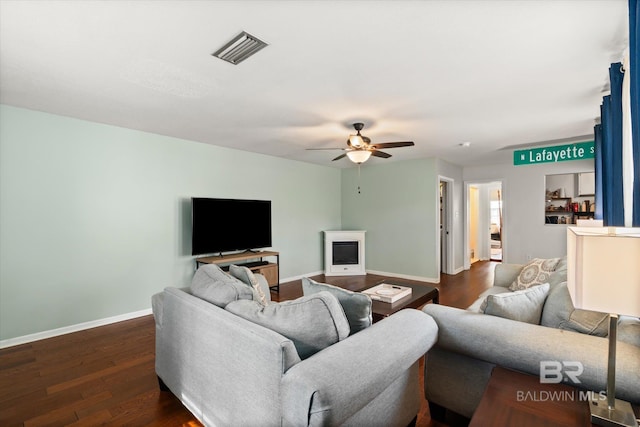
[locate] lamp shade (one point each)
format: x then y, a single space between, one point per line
603 269
359 156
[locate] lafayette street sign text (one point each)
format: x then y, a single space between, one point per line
556 153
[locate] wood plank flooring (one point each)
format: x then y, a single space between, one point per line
105 375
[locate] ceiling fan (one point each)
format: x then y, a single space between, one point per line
359 147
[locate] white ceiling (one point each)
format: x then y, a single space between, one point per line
493 73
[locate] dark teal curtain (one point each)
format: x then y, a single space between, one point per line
634 41
598 170
610 175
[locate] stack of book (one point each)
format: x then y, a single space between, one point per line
387 293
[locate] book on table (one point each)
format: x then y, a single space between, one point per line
387 292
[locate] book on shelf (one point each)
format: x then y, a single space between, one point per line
387 292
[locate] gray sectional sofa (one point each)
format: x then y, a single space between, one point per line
214 353
471 343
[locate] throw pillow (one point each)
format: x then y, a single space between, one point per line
629 330
312 322
212 284
558 307
559 274
475 307
356 306
535 272
523 306
560 313
247 277
588 322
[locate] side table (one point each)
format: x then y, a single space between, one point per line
516 399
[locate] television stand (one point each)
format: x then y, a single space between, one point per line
271 271
252 264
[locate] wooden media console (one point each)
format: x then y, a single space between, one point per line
270 270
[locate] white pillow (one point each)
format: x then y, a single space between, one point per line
524 306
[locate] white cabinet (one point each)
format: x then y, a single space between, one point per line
586 184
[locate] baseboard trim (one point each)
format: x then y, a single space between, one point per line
291 279
405 276
72 328
457 270
10 342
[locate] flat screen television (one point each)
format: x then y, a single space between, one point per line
224 225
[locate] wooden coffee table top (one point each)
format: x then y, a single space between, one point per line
420 295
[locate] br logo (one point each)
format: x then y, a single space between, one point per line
553 372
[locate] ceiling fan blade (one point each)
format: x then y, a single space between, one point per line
317 149
382 154
339 157
393 144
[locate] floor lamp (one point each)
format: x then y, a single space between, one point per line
603 274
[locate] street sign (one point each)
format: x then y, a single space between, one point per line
555 153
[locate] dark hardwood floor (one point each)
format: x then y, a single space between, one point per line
105 375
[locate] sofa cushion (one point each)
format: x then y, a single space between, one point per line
557 308
247 277
535 272
559 313
588 322
494 290
212 284
559 274
629 330
524 305
356 306
312 322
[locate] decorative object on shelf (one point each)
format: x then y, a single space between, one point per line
615 290
573 205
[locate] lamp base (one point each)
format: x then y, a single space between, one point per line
621 415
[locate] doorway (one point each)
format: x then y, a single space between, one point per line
445 193
495 227
484 229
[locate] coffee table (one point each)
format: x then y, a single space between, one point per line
420 295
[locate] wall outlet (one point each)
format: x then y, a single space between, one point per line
528 257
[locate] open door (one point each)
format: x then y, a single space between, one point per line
446 225
484 228
495 201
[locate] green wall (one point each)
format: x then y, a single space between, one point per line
94 219
397 207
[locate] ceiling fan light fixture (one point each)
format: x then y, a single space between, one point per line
356 140
359 156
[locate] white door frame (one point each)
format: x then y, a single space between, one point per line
503 231
448 203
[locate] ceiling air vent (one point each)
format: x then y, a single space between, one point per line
240 48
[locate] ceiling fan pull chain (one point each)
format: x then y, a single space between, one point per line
359 178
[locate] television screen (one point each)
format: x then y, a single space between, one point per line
222 225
